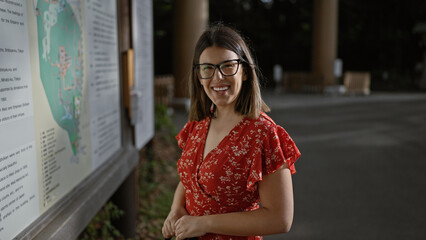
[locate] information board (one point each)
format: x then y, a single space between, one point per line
142 31
59 102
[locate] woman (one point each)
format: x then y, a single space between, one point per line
234 157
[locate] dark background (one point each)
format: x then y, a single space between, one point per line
375 36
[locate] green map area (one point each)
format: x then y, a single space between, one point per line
61 63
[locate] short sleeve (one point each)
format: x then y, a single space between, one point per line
184 134
276 149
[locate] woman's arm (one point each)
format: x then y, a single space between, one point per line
275 215
177 210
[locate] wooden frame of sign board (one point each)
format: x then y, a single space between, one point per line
67 218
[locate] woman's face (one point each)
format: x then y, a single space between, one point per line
222 90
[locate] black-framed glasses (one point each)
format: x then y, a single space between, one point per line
227 68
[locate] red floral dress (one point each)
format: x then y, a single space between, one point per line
226 180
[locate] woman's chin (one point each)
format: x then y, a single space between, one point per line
223 104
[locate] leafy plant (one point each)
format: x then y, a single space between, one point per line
157 181
101 227
162 121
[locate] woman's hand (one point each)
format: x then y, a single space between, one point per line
169 224
189 226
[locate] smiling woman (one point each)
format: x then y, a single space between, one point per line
234 157
222 87
217 46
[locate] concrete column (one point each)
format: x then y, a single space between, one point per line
325 39
190 20
422 83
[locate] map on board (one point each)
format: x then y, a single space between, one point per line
61 63
59 102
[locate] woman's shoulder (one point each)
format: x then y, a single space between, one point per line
263 125
196 122
264 121
194 125
190 129
265 118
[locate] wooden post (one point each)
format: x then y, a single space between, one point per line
191 18
126 196
325 39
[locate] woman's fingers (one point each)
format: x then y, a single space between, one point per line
169 226
168 229
179 230
187 227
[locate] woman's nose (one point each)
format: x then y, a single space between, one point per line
217 75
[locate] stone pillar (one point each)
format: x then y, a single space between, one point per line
190 20
422 83
325 39
420 28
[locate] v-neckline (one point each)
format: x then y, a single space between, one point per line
221 141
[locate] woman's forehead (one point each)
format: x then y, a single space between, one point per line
216 55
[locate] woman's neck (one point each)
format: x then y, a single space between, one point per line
226 113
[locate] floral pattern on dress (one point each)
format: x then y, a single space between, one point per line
226 180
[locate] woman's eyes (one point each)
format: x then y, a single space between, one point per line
227 65
207 67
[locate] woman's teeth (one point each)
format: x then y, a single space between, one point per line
220 88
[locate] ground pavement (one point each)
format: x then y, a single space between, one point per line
362 174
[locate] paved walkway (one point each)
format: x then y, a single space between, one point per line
362 170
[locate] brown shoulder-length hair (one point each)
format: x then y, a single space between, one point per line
249 102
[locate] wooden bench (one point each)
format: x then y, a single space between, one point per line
163 89
302 81
357 82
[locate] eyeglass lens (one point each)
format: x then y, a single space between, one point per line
228 68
